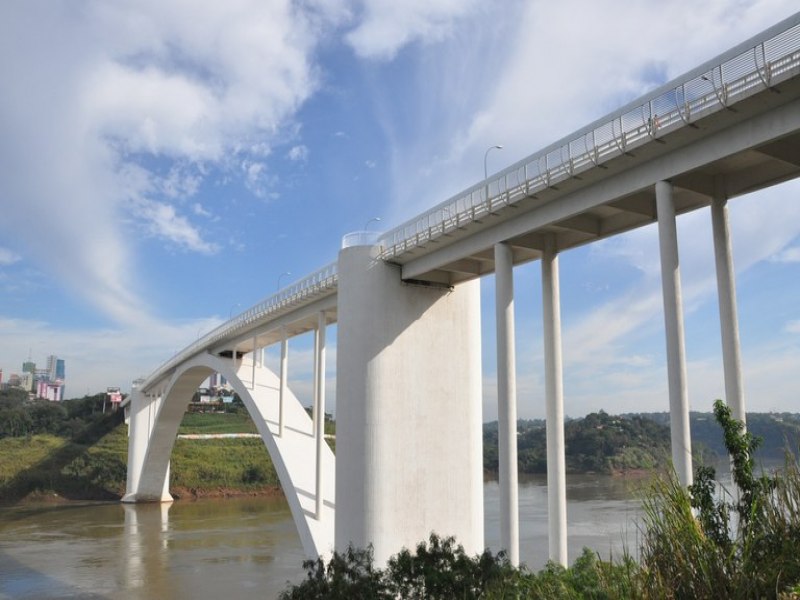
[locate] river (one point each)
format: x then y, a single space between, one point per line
245 547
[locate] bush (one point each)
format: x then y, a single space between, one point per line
441 570
742 545
697 542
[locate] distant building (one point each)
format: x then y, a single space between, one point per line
55 368
114 396
50 390
28 381
29 367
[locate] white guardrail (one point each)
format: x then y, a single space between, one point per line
751 67
310 287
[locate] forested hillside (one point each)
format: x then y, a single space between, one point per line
778 431
603 443
599 443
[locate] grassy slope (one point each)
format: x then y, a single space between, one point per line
94 466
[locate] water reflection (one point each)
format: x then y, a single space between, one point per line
602 514
235 548
246 547
143 550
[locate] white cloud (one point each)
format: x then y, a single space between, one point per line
198 209
7 257
180 183
103 93
370 164
793 327
97 358
299 152
258 179
161 220
789 255
386 26
538 74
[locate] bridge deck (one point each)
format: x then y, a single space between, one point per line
728 127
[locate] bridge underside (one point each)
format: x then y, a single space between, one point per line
727 154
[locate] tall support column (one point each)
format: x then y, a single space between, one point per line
408 411
138 435
165 495
319 404
316 382
728 319
253 370
673 322
284 374
554 391
506 401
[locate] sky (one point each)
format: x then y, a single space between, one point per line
165 163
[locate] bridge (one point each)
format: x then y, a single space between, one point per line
407 307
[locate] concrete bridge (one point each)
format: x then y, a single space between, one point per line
408 454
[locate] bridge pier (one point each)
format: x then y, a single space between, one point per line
284 378
554 392
319 410
408 451
142 417
673 322
506 401
728 319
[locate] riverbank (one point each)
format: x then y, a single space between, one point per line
48 468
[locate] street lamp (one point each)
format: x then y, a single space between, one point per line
485 169
279 278
373 219
230 312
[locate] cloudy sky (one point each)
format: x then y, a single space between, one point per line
163 163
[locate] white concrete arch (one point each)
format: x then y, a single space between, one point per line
293 454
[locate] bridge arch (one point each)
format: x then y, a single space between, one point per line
158 416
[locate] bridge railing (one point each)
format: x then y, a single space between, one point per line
755 65
320 281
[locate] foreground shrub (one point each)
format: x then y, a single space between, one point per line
701 542
743 543
440 569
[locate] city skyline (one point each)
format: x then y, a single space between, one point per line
181 167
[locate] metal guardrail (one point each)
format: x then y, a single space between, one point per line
360 238
751 67
297 293
747 69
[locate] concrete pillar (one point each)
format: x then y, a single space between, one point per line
506 401
319 404
253 366
284 375
138 432
554 392
728 319
408 411
673 322
316 384
165 495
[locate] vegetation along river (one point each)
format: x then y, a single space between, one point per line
246 547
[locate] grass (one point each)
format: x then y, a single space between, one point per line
93 465
221 466
217 423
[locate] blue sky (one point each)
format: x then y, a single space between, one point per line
162 163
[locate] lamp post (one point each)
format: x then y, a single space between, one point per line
286 273
372 220
485 169
230 312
